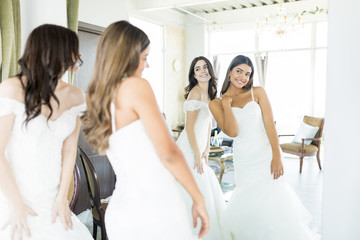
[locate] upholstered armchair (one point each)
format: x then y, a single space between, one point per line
304 146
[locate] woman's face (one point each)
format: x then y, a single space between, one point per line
240 75
201 71
77 65
142 62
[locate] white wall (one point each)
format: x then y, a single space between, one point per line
102 13
37 12
196 43
341 196
175 81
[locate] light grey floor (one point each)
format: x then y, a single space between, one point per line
307 185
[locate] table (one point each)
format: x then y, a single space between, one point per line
218 154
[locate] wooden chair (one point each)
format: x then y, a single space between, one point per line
74 188
301 149
98 208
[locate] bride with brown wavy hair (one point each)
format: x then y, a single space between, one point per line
39 126
123 121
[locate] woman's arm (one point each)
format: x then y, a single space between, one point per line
191 117
207 149
137 95
69 150
276 165
221 110
19 211
61 205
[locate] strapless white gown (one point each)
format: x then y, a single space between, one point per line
146 203
34 155
207 182
261 208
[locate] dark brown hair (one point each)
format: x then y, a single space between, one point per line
118 56
240 59
212 90
50 51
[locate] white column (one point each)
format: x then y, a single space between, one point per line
341 192
196 41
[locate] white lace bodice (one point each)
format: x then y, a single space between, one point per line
261 207
34 151
201 126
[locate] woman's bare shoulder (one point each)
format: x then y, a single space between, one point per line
259 90
12 88
133 89
73 94
133 86
195 94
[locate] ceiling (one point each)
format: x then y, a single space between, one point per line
227 11
229 5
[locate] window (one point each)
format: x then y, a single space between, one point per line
232 41
296 68
154 74
300 38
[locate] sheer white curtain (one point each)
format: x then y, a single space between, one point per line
261 64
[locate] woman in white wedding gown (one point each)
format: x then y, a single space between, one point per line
263 206
39 126
194 140
124 121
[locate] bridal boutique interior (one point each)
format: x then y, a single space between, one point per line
305 53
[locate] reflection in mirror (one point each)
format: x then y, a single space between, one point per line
295 81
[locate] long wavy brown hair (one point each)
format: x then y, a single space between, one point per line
240 59
117 56
212 89
50 50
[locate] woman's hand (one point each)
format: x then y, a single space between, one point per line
226 100
277 168
205 155
18 221
61 209
199 211
198 164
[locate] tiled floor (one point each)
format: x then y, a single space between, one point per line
307 185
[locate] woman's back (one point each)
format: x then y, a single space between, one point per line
145 190
34 152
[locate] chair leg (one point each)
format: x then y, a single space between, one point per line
301 163
94 230
222 169
103 233
318 160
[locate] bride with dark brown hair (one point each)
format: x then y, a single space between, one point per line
263 206
39 126
123 121
194 141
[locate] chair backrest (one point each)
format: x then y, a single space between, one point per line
91 179
316 122
74 188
